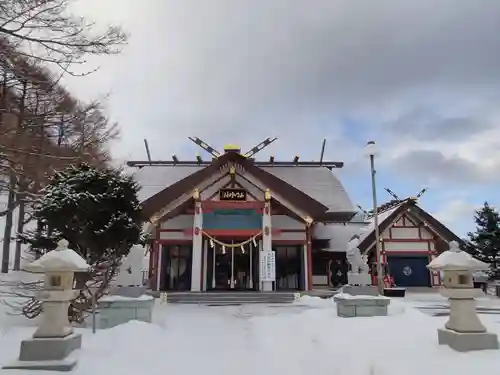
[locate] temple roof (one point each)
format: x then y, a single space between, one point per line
319 183
341 234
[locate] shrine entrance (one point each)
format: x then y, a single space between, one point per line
232 268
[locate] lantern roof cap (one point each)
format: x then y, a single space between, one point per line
61 259
457 260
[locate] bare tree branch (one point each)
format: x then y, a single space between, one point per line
48 32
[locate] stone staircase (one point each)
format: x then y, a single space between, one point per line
228 298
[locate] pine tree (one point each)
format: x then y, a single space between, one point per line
484 243
98 212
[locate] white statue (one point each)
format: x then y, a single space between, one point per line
130 273
358 274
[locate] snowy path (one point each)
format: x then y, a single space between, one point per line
436 305
250 340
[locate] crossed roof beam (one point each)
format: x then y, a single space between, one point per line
392 203
250 154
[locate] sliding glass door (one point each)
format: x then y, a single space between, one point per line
176 264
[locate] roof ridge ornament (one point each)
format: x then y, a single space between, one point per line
196 194
309 220
267 195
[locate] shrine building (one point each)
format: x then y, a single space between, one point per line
235 223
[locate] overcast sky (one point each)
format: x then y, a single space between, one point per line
421 78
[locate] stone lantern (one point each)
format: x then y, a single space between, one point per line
463 331
54 339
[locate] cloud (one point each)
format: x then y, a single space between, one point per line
419 77
243 69
433 165
457 214
427 124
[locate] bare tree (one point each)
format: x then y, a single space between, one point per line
43 129
47 31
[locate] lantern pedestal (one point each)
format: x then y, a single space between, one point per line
463 331
54 339
52 345
465 342
51 354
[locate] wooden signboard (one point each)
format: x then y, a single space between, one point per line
232 195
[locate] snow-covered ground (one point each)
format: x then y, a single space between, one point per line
304 338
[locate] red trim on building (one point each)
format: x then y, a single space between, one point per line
400 240
231 232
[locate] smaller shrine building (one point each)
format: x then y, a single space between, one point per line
234 223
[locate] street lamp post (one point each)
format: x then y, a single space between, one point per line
371 152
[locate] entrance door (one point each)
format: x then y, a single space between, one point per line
409 271
176 267
231 268
222 275
289 267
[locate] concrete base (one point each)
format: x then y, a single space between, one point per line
359 306
465 342
115 310
64 365
47 353
359 290
128 291
354 278
266 286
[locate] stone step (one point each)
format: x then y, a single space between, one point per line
228 298
230 302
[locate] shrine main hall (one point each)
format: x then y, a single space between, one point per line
237 223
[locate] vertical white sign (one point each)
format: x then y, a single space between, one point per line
267 266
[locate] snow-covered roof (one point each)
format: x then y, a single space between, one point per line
155 178
318 182
370 223
456 259
352 233
339 234
60 259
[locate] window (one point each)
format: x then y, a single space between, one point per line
463 279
